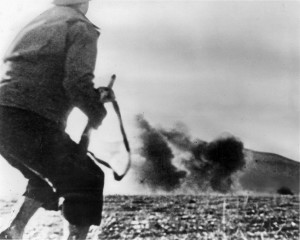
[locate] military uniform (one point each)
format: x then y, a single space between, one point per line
49 71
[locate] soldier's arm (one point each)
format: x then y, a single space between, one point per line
81 47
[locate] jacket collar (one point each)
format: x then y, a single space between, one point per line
80 15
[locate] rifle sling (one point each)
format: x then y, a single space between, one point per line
117 177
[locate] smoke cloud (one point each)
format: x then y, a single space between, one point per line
157 172
207 165
178 136
226 157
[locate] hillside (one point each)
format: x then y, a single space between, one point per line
267 172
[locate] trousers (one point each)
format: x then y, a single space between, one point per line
55 166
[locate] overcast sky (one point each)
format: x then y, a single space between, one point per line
216 66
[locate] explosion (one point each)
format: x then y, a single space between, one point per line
158 172
226 157
208 165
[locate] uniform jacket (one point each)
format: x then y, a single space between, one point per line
49 67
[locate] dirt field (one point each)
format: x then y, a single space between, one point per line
180 217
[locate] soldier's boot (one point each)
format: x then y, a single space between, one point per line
18 224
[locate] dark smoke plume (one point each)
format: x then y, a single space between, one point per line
227 157
157 172
199 169
210 164
213 164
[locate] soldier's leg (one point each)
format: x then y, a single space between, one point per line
78 181
38 145
82 205
18 224
38 194
20 139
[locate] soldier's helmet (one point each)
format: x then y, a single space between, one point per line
69 2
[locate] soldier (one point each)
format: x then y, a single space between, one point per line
49 71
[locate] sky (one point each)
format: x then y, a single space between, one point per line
218 67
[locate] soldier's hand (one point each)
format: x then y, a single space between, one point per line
106 95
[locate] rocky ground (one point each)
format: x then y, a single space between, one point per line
180 217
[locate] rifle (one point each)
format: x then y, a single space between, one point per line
85 138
